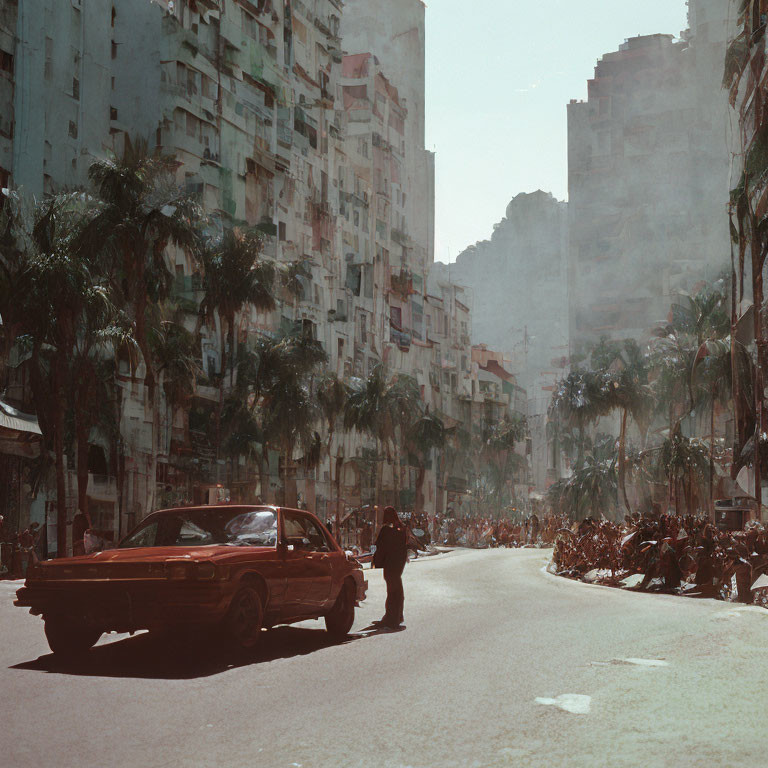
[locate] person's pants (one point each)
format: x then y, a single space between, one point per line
395 597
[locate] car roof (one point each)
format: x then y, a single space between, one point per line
250 507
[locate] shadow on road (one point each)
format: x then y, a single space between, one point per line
147 656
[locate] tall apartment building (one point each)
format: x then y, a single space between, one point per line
648 169
395 32
8 19
273 128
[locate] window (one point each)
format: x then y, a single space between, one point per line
281 232
191 82
72 129
192 124
6 62
114 49
396 314
304 533
250 26
112 113
48 70
4 179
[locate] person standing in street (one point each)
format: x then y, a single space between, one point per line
391 555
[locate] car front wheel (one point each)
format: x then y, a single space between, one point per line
69 638
244 619
339 621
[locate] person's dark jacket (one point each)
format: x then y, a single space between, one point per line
391 548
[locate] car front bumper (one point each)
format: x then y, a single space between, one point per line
128 605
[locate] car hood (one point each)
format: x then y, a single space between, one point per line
137 555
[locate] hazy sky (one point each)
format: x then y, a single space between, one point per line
499 76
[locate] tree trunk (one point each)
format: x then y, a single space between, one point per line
223 373
623 461
396 475
757 294
61 489
418 502
712 458
379 484
264 486
330 477
82 431
339 465
152 469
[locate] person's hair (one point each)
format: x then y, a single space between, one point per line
391 518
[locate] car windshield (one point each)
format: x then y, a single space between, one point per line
206 526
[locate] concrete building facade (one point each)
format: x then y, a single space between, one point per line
274 128
648 170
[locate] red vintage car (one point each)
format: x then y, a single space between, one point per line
239 568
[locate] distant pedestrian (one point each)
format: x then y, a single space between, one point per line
391 555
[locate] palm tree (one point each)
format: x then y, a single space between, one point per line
62 291
403 404
385 410
681 461
332 395
279 385
426 435
712 378
235 276
366 413
141 211
628 392
579 401
103 334
499 451
15 249
590 491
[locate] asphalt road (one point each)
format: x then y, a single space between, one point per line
501 664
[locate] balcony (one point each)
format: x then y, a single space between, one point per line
400 237
401 283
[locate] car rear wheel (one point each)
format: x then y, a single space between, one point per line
342 616
69 638
244 619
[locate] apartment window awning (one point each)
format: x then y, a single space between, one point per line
16 421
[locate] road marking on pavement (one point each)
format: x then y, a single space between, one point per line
575 703
632 661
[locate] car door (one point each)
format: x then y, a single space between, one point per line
318 556
296 568
308 564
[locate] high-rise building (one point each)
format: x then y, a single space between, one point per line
8 20
395 32
648 170
275 129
